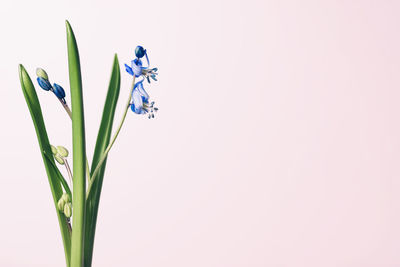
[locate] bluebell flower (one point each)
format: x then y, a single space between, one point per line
137 69
140 101
59 92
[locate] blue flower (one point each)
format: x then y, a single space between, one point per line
140 101
137 69
44 83
59 92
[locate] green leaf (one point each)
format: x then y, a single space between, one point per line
78 150
103 139
36 113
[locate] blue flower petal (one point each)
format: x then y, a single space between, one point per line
45 84
139 87
137 67
128 69
137 102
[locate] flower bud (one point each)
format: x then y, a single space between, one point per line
53 150
59 159
68 210
42 73
58 91
140 51
66 198
45 84
62 151
61 204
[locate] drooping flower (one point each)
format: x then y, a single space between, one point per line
137 69
140 101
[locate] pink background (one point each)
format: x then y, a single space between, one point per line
277 142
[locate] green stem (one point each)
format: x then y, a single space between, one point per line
58 174
104 156
68 170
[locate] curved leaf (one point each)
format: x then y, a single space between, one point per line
36 113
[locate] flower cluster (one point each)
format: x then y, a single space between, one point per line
43 81
64 205
140 100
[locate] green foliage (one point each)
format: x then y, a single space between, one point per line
78 243
78 150
37 118
103 139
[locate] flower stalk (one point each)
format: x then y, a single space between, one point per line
104 155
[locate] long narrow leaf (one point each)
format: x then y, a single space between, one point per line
78 147
103 138
36 112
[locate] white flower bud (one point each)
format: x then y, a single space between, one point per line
42 73
68 210
61 204
62 151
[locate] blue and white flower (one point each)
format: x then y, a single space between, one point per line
140 101
137 69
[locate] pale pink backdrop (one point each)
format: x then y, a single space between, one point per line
277 142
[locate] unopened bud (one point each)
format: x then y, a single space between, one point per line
62 151
68 210
42 73
59 159
61 204
53 150
66 198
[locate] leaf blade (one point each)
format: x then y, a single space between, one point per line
37 118
103 139
78 150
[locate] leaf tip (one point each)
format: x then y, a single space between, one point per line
69 28
20 68
22 72
116 58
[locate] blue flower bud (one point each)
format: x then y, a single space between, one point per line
58 91
140 51
45 84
